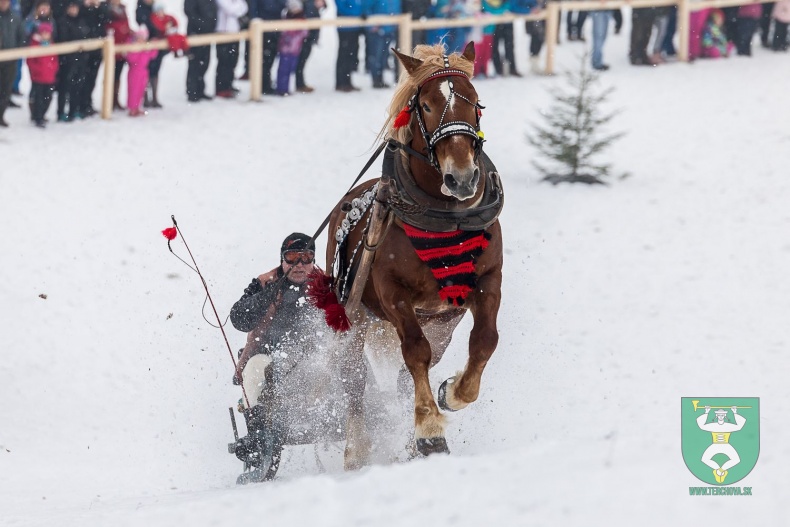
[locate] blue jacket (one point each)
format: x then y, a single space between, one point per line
522 7
354 8
383 7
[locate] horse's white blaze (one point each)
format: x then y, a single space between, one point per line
445 89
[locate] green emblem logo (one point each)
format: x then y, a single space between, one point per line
720 437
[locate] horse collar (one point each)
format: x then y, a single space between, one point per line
413 206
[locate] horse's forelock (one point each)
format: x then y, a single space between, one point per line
433 61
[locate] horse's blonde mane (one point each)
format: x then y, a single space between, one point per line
431 56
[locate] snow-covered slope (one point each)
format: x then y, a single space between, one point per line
618 301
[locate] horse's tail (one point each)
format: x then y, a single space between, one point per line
321 294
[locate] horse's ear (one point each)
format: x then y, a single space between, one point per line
469 52
409 63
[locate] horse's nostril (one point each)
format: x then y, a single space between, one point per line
450 181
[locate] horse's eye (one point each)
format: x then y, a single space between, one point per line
425 107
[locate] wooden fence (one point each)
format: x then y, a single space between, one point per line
254 34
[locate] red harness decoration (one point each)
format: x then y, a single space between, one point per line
451 256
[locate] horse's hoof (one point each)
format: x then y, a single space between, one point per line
442 396
432 445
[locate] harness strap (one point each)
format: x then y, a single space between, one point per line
370 162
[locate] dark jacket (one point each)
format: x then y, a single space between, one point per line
269 310
143 17
72 28
201 16
267 9
96 18
12 30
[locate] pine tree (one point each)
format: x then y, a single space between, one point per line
570 135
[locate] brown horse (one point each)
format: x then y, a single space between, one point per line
439 253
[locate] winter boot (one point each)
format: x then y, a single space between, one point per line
250 447
155 93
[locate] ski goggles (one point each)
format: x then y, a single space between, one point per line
295 257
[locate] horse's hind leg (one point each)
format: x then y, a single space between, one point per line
457 392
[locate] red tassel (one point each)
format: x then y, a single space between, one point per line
403 118
321 295
319 290
170 233
336 318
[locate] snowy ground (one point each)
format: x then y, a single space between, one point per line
618 302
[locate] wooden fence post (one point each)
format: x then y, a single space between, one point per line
404 34
552 31
108 87
256 59
684 30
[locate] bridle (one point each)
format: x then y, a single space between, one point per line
445 130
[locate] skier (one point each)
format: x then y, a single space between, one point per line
277 319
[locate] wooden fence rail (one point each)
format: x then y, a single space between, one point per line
405 27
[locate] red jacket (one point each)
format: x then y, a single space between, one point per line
43 70
164 24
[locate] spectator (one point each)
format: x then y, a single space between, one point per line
454 38
660 24
12 35
714 41
641 28
380 39
312 9
574 22
600 21
228 13
748 19
668 46
122 34
503 34
348 45
781 16
43 73
201 19
137 76
270 10
289 47
16 8
766 17
40 15
97 16
617 16
483 37
419 9
526 7
165 27
73 66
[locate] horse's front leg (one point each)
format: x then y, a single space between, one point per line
354 374
457 392
428 421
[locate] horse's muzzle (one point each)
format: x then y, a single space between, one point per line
464 185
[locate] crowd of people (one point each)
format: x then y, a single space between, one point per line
714 33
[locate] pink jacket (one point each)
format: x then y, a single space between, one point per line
141 58
750 11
